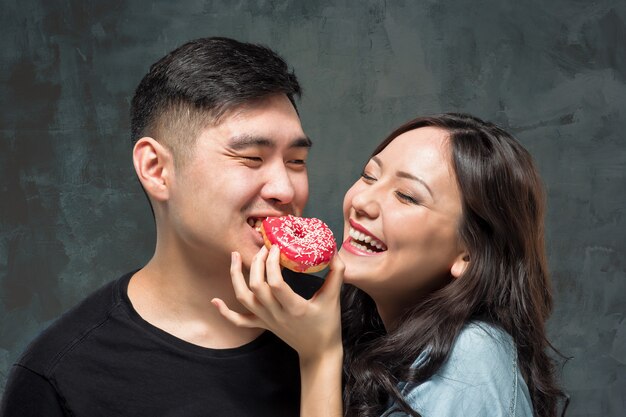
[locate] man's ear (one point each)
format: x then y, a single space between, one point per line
460 264
153 165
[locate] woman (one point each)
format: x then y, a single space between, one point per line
448 291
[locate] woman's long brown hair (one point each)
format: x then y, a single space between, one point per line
505 284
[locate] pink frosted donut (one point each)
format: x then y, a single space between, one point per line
306 244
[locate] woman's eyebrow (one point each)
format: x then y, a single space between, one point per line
406 175
403 174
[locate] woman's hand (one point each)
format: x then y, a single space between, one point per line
311 327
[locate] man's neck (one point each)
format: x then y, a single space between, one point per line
176 298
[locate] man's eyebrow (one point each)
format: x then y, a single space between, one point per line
303 142
241 142
403 174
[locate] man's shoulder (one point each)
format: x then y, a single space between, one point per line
304 284
68 331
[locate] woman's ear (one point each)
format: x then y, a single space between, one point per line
460 264
153 166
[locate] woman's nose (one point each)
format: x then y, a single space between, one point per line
365 203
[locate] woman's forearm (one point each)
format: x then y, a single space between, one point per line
321 385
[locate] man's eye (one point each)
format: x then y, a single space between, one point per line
367 177
251 161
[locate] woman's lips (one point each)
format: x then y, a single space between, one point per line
358 248
361 229
362 241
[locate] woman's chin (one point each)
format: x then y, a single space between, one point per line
355 269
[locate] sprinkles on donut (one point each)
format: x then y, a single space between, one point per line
306 244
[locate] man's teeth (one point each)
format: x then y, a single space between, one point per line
255 223
362 237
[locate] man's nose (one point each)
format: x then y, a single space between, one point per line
278 186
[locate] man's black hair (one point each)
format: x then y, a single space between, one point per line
202 80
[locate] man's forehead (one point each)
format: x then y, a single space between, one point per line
259 106
269 122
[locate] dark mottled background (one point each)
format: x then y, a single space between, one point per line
72 215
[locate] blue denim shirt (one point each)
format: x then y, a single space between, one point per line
480 379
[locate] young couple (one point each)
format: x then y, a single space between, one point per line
445 296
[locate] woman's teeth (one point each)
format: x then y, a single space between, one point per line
361 247
370 245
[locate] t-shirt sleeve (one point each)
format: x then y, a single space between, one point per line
28 394
479 379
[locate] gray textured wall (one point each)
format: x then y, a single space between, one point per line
72 215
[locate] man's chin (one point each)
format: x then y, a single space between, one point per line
248 254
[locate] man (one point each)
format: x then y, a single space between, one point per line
218 144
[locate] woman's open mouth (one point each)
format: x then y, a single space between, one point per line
364 242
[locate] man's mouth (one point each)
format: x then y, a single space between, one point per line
255 223
365 242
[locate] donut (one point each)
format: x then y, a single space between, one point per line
306 244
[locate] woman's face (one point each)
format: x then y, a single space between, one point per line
401 220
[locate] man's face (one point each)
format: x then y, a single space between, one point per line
249 166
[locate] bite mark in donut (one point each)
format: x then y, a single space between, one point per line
306 244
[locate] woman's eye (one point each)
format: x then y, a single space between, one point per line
367 177
406 198
298 162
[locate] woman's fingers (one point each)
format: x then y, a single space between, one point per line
287 298
257 269
259 282
309 326
334 279
242 292
274 306
256 295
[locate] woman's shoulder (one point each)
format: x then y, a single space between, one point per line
480 377
481 353
483 345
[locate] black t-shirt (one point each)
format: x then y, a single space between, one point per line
102 359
